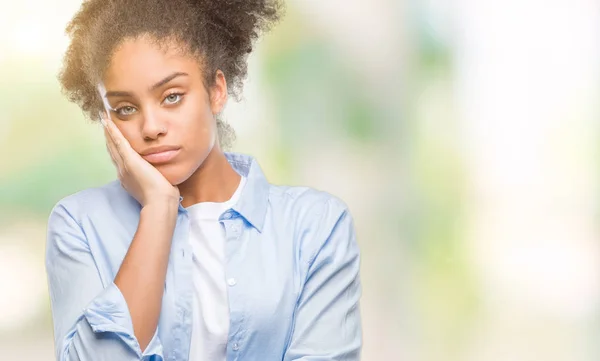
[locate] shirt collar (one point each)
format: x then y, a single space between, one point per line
253 201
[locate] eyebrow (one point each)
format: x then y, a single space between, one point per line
152 88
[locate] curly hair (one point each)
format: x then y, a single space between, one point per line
219 33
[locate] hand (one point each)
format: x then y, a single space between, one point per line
144 182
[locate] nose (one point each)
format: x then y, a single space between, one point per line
152 126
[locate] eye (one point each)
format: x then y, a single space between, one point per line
173 98
126 110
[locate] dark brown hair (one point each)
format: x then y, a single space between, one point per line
220 33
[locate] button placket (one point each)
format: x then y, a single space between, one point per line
233 228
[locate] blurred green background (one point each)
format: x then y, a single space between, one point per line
463 135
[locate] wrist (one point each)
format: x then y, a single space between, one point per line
166 200
161 207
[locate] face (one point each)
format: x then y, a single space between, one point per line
159 102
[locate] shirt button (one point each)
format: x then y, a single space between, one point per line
227 215
232 282
235 347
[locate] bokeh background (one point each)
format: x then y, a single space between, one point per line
463 135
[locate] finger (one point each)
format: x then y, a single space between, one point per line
112 148
120 143
111 154
114 154
118 168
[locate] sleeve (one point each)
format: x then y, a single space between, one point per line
327 325
91 322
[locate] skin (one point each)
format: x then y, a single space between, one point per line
155 97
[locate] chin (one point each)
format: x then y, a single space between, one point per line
181 170
174 173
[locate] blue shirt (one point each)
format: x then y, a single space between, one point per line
292 252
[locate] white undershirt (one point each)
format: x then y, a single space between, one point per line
210 323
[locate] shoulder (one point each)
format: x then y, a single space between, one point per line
315 217
306 201
65 229
90 200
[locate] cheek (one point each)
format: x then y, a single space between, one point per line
201 137
200 131
129 132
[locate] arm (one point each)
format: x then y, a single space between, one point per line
141 277
327 323
95 323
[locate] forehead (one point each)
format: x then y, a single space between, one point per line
138 62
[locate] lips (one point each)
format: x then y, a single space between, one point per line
160 155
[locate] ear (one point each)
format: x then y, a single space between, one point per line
218 93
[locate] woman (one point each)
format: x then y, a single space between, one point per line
191 254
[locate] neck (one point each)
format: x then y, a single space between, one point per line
214 181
